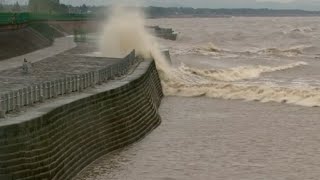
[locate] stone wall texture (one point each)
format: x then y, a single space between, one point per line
61 142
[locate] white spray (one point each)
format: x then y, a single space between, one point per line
125 31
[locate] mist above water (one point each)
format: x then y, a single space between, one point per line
124 31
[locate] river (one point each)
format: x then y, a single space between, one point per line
249 112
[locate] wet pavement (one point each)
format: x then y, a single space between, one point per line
58 66
60 45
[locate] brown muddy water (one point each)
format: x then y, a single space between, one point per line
259 79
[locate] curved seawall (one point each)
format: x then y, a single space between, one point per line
57 140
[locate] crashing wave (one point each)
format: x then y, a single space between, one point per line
289 52
212 50
302 29
209 49
309 97
190 82
284 52
237 73
186 81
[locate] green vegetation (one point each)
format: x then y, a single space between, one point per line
16 7
14 18
21 18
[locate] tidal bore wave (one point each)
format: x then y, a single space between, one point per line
212 50
188 81
236 73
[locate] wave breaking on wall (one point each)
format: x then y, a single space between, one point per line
125 30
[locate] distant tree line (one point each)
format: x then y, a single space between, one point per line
16 7
181 11
45 6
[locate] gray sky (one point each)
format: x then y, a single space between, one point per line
275 4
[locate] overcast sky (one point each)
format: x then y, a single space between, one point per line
275 4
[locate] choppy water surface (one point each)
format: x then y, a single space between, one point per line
271 60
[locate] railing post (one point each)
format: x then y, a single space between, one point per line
21 97
68 85
116 70
10 101
93 78
58 87
17 104
42 92
24 97
85 80
96 77
2 109
103 75
39 87
112 70
36 93
71 84
78 83
48 86
62 86
109 74
54 89
30 95
99 77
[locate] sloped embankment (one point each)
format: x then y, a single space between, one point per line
21 41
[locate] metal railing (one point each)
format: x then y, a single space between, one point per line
15 100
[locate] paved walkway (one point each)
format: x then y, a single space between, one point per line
58 66
60 45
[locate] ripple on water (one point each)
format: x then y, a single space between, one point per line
206 139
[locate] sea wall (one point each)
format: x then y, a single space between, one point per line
165 33
57 140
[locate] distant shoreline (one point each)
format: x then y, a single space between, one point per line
175 12
184 17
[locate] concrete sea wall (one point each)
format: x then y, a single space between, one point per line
57 140
165 33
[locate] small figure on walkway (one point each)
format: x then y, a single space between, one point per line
26 66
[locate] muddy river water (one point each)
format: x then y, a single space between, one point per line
256 119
